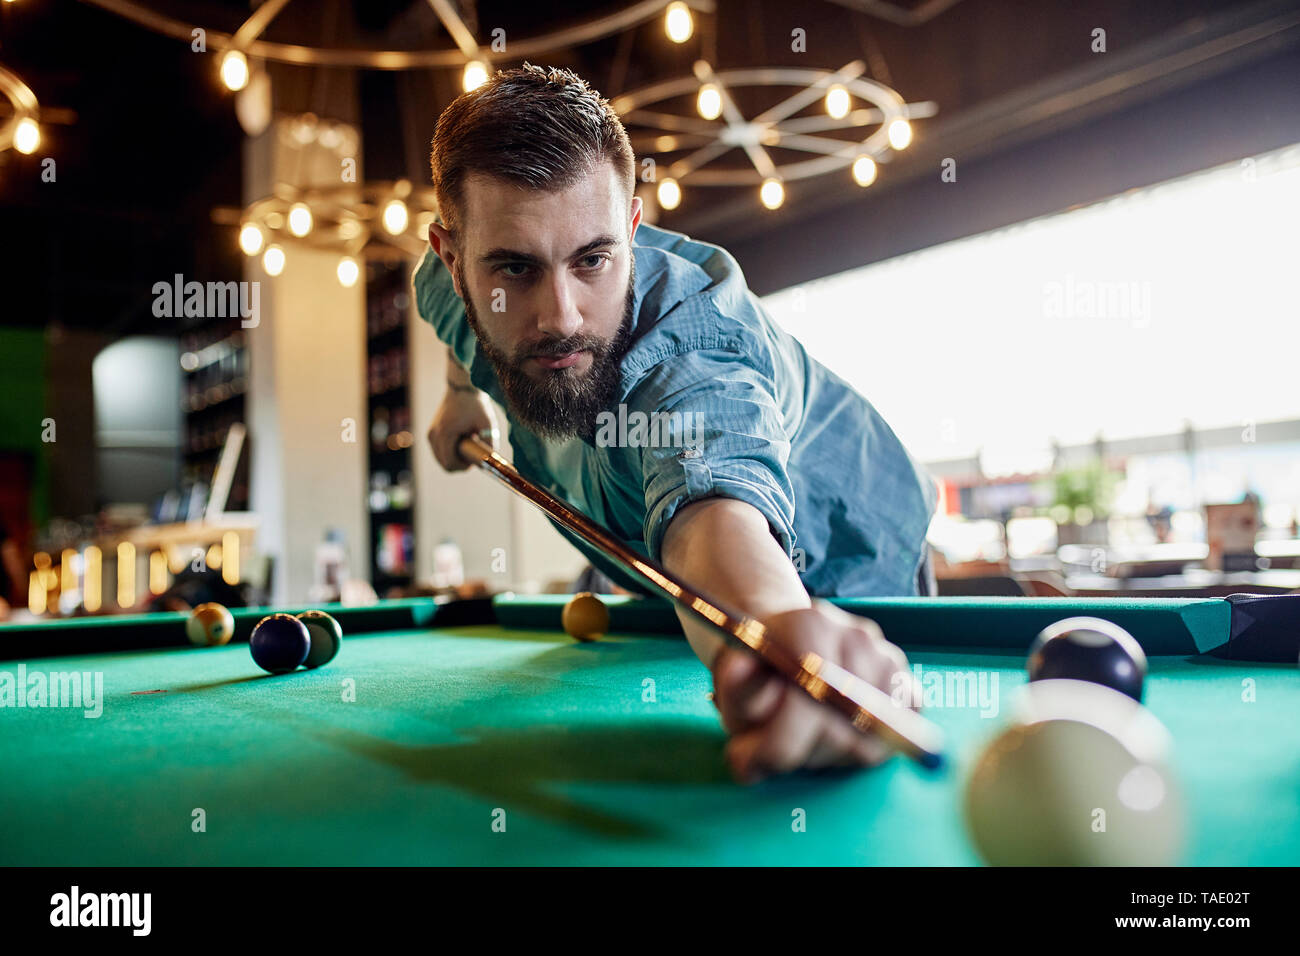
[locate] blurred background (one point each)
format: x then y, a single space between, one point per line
1053 243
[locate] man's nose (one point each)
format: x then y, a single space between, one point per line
557 314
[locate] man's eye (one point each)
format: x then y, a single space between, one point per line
593 261
509 267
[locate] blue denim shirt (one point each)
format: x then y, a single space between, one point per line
759 421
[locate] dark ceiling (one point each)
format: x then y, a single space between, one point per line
147 145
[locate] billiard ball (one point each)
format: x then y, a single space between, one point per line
585 617
1088 648
209 625
326 636
1079 778
279 643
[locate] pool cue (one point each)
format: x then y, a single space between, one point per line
868 709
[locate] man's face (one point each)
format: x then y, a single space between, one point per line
547 281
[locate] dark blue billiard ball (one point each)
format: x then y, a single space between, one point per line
1090 649
279 643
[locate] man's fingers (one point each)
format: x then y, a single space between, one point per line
781 730
840 745
881 664
780 745
745 692
450 455
792 740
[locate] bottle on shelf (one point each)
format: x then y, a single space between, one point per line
379 483
331 572
448 565
379 428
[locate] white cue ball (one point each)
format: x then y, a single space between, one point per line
1080 778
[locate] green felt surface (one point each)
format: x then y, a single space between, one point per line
606 753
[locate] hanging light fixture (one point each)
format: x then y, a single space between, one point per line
852 102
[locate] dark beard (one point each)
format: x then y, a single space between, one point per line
560 405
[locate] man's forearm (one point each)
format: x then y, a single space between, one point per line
457 376
725 548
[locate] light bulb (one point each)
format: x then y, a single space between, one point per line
864 170
837 102
395 217
273 260
669 194
349 272
678 22
234 70
475 75
27 135
709 102
900 133
772 193
251 239
300 219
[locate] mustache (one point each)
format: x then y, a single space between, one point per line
557 348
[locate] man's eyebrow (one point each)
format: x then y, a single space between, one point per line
502 254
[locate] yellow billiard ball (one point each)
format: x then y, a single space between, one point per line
210 625
585 617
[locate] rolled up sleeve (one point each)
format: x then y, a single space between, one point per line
728 442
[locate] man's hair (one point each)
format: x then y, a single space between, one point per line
542 128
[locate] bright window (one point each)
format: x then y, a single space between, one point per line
1130 317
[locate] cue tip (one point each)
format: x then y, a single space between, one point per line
931 761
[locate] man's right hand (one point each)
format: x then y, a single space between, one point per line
461 413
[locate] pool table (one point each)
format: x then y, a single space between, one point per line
476 732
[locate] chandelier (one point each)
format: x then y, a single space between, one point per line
680 149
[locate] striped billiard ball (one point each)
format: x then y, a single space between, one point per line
209 625
326 636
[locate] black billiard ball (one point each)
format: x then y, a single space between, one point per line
279 643
210 625
585 617
326 636
1090 649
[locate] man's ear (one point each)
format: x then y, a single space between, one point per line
441 243
636 217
